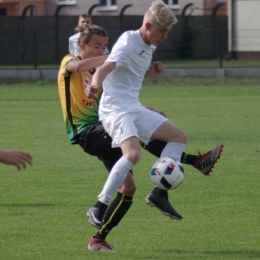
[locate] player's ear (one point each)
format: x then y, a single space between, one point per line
81 45
148 26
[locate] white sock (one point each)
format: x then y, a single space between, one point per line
115 179
173 150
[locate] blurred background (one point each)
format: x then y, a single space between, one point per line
209 33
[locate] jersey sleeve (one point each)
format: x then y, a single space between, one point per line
121 53
63 68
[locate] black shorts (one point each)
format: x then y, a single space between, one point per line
95 141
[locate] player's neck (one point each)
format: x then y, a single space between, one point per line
142 32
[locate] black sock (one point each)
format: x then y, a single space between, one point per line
160 192
188 159
115 212
156 147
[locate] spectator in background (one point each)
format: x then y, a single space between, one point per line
84 21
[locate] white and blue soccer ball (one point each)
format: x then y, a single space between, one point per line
167 173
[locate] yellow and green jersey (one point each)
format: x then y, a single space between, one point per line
79 111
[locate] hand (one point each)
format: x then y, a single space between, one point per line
158 67
91 90
155 70
16 158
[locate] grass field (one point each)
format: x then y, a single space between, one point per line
42 209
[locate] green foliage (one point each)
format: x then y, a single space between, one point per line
42 209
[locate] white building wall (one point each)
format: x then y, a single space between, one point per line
139 7
248 25
246 31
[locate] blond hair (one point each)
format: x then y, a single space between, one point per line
160 13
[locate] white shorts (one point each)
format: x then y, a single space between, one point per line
141 124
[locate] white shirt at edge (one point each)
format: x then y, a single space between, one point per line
73 44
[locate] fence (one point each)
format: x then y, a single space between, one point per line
30 44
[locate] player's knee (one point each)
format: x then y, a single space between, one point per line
134 156
184 137
128 190
180 137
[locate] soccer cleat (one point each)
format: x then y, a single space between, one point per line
205 162
162 203
95 217
99 245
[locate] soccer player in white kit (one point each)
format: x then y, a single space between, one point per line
121 113
128 122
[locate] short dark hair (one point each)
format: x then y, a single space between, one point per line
85 16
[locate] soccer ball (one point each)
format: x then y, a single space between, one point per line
167 173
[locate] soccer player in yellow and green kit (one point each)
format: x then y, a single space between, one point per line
83 127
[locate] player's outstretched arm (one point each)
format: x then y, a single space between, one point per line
98 78
16 158
86 64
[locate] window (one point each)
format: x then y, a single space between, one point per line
107 5
66 2
172 3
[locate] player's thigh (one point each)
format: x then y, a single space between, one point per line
110 158
147 123
120 128
94 140
131 149
168 132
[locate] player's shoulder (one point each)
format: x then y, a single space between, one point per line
129 35
127 39
69 57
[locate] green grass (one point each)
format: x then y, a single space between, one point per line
42 209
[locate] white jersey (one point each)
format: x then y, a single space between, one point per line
121 87
73 44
